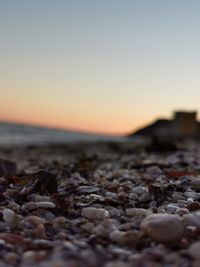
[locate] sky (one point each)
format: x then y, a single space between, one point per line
108 66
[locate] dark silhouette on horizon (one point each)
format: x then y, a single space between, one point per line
182 125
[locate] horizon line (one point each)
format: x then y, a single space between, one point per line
59 128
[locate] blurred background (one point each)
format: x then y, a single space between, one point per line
100 67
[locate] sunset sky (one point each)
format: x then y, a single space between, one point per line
107 66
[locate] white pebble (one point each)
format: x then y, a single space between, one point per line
95 213
190 200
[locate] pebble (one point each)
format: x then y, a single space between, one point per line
39 231
172 208
39 198
110 194
192 219
195 183
14 206
163 227
154 171
182 211
136 212
3 226
2 242
104 228
131 238
194 250
11 258
87 227
33 220
31 206
116 236
45 205
126 226
10 217
31 256
42 244
111 209
194 206
190 200
139 190
95 213
177 196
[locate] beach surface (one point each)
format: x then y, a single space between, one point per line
106 204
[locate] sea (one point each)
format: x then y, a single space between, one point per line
18 134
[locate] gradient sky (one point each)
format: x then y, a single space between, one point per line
103 66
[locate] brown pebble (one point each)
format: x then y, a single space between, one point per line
193 206
163 227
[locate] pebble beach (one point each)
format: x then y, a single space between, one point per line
100 204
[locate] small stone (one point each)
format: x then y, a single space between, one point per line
39 232
10 217
153 254
42 244
172 207
11 258
104 228
136 212
45 205
3 226
59 222
195 182
95 213
190 200
32 256
154 171
139 190
177 196
34 220
116 236
110 194
193 206
194 250
31 206
163 227
120 252
46 214
14 206
131 238
146 197
11 192
39 198
182 211
2 242
87 227
126 226
13 239
192 219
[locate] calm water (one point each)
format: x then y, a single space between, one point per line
13 134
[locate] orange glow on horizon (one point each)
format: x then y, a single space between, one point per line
90 127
